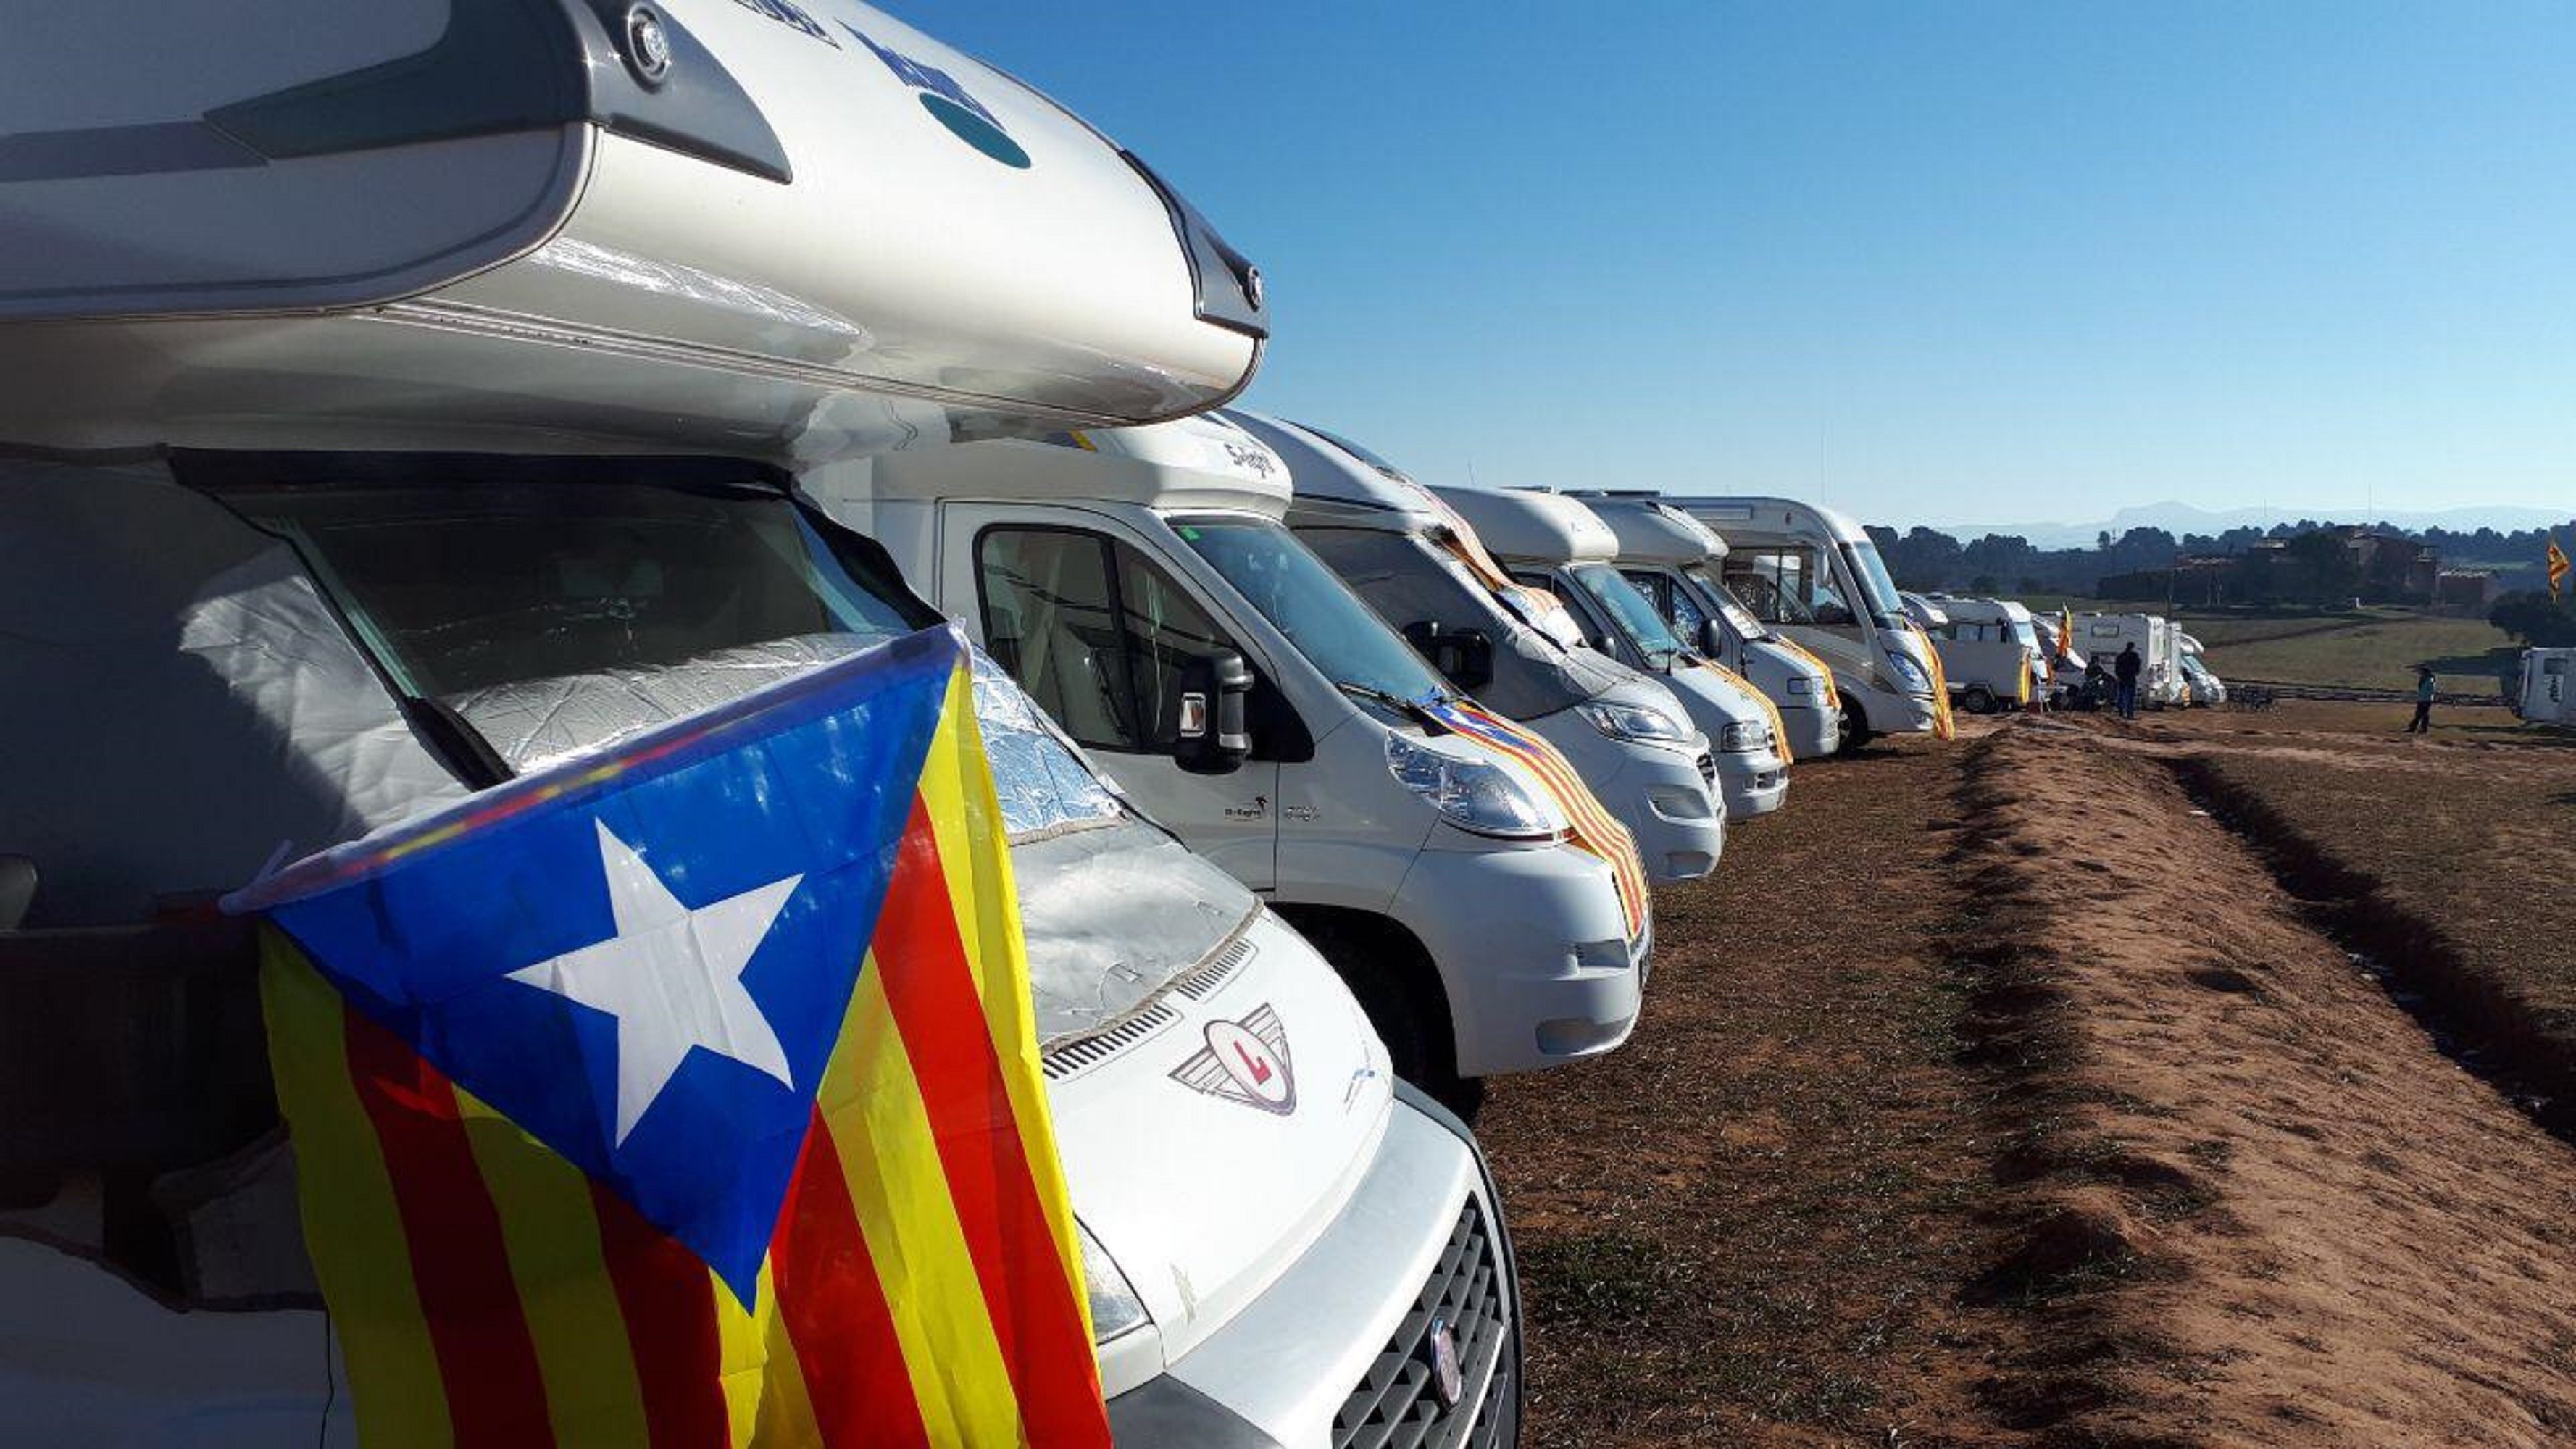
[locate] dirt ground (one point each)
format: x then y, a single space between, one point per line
1999 1094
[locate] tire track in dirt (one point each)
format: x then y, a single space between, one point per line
2249 1201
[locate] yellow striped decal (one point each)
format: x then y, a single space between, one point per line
1945 725
1595 830
1832 691
1770 707
393 1370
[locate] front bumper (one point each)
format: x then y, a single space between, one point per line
1815 731
1670 807
1755 782
1532 949
1338 1348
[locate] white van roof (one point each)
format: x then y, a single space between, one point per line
1324 469
1651 532
1192 463
503 240
1734 516
1525 523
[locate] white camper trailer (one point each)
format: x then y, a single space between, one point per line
2161 683
2548 687
1416 563
1478 900
1814 575
1990 653
1679 565
402 397
1553 542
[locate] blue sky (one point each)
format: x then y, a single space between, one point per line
1926 261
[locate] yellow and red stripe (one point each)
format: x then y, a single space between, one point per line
1770 708
923 1286
1945 724
1593 829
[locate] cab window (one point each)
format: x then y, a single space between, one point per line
1787 585
1093 630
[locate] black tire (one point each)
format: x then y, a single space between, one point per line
1404 1006
1978 699
1855 727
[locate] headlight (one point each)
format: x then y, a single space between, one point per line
1634 722
1909 675
1472 794
1116 1311
1740 738
1803 683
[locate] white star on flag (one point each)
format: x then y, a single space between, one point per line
672 976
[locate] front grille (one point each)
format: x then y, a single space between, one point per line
1397 1404
1707 769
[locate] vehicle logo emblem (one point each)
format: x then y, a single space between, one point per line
949 103
1244 1061
1448 1378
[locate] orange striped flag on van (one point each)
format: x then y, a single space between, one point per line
688 1094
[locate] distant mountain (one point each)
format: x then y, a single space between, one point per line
2181 518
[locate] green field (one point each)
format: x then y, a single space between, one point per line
2371 649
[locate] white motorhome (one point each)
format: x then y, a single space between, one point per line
1551 541
2161 682
1416 563
398 397
1990 653
1813 574
2547 692
1140 584
1680 566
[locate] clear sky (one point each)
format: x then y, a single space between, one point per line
1927 261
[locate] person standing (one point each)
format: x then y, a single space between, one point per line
2126 667
2422 724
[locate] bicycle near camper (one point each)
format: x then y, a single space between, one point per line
409 421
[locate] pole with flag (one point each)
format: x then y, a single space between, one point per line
2557 568
688 1093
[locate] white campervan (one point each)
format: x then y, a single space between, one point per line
2161 682
2547 686
398 397
1415 562
1679 565
1552 542
1140 585
1990 653
1814 575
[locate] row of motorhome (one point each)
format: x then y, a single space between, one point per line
371 440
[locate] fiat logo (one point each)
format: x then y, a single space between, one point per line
1448 1379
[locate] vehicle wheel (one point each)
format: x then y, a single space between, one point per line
1407 1014
1854 728
1979 699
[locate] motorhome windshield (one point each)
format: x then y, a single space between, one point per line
459 586
1738 618
1408 579
1306 602
1874 581
1631 611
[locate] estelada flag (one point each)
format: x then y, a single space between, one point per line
689 1094
1591 828
2557 568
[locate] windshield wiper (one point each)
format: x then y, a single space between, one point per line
1412 709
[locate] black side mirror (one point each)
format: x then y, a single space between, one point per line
1211 736
1465 657
1712 640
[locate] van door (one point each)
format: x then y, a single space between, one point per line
1098 632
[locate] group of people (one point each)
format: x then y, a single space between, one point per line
2119 680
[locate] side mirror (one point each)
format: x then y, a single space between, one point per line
1211 736
1465 657
1835 616
1712 640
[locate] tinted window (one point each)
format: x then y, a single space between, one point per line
1630 610
1314 609
1093 631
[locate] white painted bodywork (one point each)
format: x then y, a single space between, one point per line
1983 646
1528 939
2160 680
1887 696
1690 560
1658 791
1551 537
2548 693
